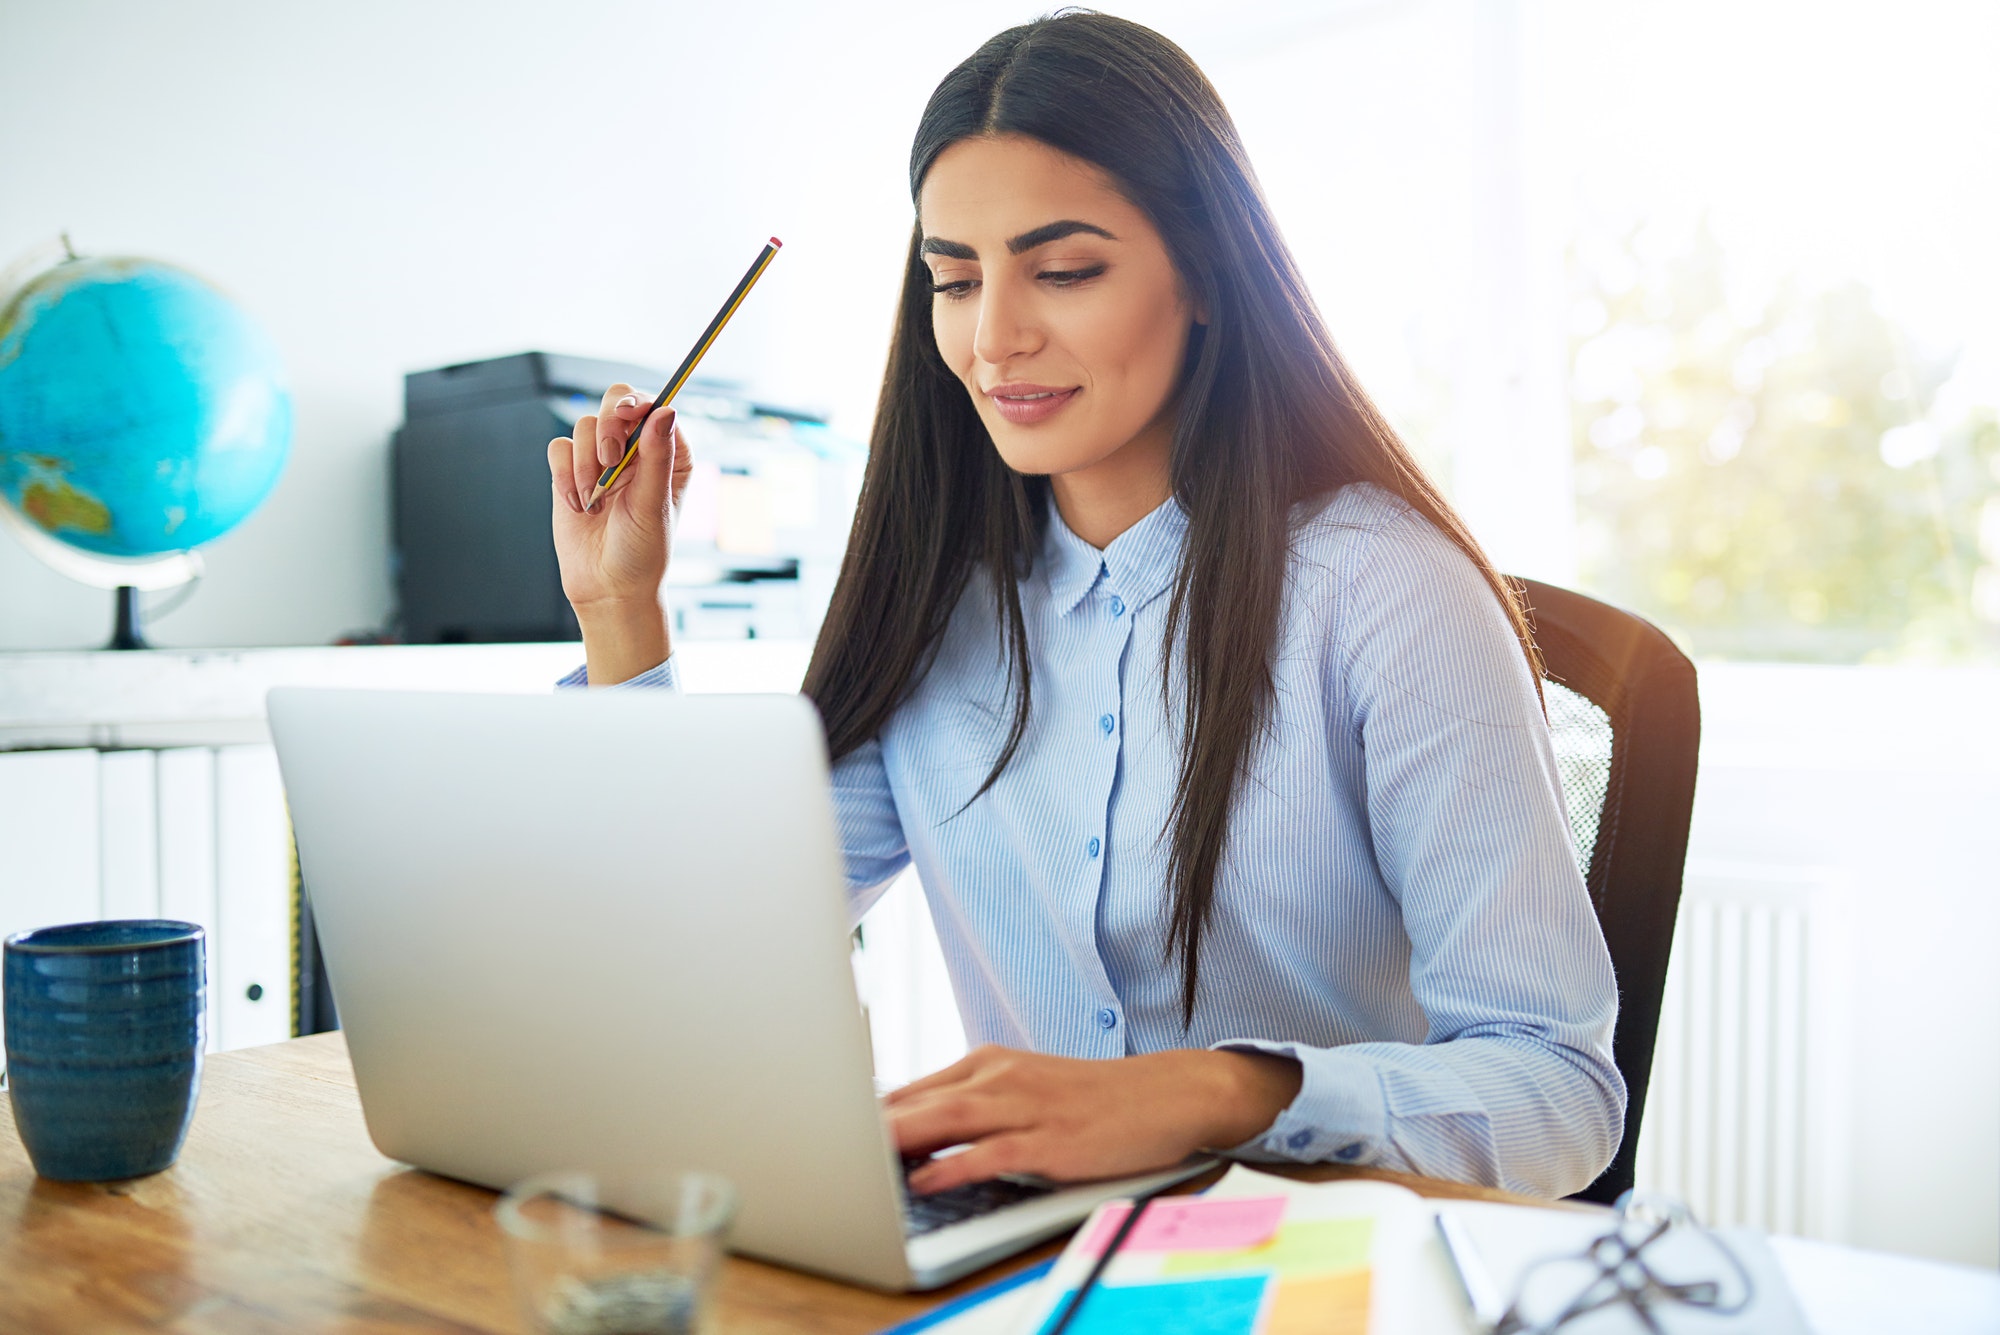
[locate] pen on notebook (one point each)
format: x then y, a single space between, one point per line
1473 1279
680 377
1075 1303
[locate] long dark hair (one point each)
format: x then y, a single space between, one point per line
1269 416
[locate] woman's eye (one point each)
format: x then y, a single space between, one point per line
953 290
1070 277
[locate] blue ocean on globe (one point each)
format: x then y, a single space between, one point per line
141 413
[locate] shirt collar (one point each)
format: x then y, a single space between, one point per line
1138 566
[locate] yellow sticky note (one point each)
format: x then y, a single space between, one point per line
1304 1249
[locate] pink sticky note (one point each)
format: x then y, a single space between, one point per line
1191 1224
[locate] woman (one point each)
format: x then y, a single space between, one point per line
1213 736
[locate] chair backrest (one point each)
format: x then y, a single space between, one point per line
1627 724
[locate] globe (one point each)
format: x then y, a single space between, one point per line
141 412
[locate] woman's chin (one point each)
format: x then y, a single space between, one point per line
1034 454
1037 463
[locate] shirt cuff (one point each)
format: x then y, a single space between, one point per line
665 677
1340 1114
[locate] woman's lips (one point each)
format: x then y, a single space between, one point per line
1024 405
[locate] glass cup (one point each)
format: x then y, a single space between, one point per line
637 1259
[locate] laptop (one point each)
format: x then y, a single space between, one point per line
608 930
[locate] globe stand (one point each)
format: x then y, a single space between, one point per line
127 577
127 633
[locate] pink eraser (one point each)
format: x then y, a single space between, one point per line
779 244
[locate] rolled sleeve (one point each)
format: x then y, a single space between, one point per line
1340 1112
665 677
1453 1110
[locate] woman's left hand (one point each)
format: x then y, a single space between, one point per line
1067 1118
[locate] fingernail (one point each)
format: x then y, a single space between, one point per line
628 400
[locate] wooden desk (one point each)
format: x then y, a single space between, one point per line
281 1216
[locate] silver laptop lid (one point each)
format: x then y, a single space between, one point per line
604 931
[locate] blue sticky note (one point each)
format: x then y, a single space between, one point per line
1186 1307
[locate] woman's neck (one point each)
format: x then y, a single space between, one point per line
1100 502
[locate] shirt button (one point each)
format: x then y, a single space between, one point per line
1348 1153
1094 846
1107 1018
1298 1140
1117 606
1106 724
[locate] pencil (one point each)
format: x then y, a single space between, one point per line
1075 1303
693 359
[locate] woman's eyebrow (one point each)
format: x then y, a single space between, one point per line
951 250
1055 231
1020 245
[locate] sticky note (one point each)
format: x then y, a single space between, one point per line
1309 1247
1186 1307
1191 1223
1332 1305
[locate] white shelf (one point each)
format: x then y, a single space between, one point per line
215 697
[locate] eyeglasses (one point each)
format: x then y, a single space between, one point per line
1656 1257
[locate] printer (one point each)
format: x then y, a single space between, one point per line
762 528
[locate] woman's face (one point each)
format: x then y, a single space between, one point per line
1056 305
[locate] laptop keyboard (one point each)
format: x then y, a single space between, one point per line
923 1214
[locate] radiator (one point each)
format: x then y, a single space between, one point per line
1745 1118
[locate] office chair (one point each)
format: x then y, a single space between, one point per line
1626 724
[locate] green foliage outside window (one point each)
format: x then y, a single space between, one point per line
1766 479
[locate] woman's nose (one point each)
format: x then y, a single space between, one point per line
1005 327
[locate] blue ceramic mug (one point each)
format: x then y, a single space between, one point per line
104 1040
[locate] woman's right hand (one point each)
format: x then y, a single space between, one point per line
614 558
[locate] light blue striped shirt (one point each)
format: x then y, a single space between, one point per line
1398 907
